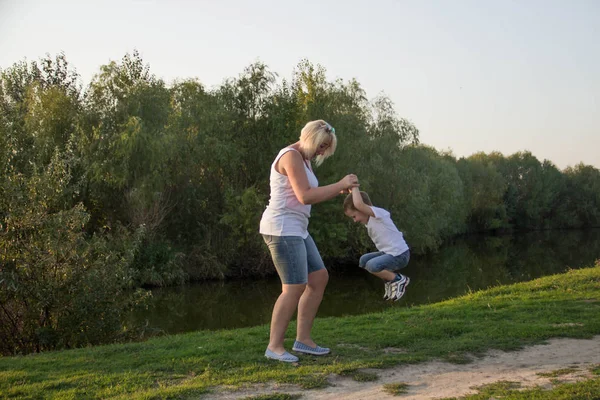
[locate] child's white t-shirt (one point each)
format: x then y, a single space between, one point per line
384 234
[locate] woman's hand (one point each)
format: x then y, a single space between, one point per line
349 181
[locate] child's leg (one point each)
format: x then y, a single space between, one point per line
364 259
380 265
398 287
386 266
375 263
386 275
401 262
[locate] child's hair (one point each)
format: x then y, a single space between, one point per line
349 204
314 134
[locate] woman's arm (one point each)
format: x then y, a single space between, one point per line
292 165
359 204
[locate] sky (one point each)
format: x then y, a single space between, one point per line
472 75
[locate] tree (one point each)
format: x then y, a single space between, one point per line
484 190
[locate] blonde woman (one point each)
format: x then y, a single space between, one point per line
284 226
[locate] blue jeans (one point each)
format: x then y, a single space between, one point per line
294 257
378 261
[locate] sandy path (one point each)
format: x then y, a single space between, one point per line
440 379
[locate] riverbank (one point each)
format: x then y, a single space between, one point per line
200 364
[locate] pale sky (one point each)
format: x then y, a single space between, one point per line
471 75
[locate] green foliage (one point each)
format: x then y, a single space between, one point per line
157 264
520 192
242 216
484 189
58 288
579 201
424 193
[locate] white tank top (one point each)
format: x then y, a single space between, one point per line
285 215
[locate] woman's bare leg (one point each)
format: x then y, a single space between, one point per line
284 309
309 305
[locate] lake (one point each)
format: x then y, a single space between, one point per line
468 264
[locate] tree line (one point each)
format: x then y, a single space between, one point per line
129 182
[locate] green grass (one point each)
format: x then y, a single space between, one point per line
360 376
587 390
558 372
499 389
396 389
274 396
191 365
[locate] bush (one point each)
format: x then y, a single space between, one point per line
59 288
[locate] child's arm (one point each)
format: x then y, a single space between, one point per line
360 204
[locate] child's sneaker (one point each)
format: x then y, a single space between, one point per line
388 291
399 287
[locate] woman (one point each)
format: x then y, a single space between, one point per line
284 223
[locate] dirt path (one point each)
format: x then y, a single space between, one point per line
439 379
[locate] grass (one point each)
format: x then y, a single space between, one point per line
558 372
274 396
587 390
499 389
360 376
396 389
192 365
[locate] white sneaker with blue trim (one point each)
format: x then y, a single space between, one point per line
399 287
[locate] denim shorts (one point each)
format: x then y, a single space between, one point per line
378 261
294 257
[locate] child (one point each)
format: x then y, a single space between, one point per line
393 253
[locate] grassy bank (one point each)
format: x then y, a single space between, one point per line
189 365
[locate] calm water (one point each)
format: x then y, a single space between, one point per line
468 264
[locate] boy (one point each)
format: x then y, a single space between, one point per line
393 253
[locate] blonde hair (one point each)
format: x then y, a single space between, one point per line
349 203
313 135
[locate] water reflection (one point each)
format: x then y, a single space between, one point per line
468 264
